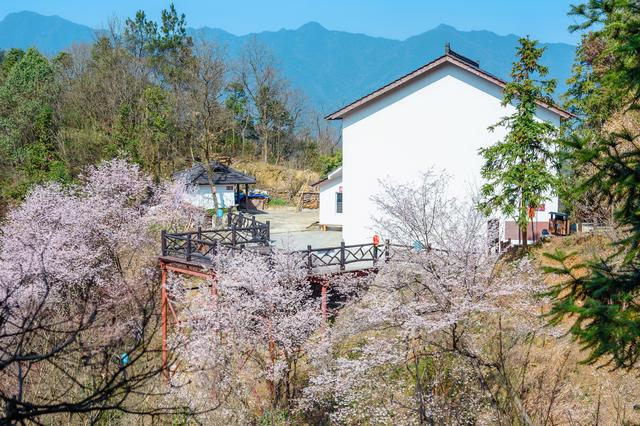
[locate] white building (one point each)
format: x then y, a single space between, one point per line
434 117
228 183
331 199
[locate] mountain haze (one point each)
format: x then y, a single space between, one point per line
331 67
50 34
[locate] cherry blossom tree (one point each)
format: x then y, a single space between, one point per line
243 338
78 281
413 347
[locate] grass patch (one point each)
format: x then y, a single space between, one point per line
277 201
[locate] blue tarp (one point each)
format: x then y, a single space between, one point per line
252 195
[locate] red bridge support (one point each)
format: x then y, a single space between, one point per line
181 266
186 269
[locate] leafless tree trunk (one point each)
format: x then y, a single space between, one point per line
210 119
273 102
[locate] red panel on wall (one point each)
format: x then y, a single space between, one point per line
511 229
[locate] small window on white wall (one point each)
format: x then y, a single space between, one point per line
338 202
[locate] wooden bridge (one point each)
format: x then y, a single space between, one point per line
200 246
192 253
243 233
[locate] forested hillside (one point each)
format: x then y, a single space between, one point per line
152 95
331 68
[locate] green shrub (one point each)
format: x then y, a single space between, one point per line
277 201
329 163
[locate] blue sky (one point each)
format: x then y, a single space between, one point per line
546 20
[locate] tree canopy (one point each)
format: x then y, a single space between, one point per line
604 157
519 169
152 94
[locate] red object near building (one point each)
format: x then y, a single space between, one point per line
376 240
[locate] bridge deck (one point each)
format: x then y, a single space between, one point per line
198 248
192 253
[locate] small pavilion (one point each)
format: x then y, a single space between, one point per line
226 179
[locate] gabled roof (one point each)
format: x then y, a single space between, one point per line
222 175
449 57
330 176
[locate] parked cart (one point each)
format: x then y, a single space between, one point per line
559 223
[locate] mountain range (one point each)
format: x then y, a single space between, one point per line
331 68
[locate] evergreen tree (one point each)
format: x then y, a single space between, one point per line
27 124
167 47
9 59
605 154
518 170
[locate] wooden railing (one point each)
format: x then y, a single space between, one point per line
243 232
190 247
344 255
202 245
243 221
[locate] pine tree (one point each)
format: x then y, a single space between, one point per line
518 170
604 301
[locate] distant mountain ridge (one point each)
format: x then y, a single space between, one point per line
50 34
332 68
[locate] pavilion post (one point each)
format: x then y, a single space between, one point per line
246 196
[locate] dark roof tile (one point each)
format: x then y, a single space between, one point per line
222 175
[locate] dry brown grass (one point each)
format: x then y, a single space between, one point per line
557 384
279 181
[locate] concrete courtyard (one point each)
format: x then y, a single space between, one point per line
295 230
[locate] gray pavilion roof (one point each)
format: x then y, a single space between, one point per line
222 175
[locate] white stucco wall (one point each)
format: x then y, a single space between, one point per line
201 196
328 191
439 121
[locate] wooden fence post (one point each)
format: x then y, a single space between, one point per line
253 228
342 257
164 242
199 233
387 248
375 254
229 217
233 235
268 232
188 247
309 259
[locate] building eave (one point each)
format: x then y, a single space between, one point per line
329 176
425 69
223 175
